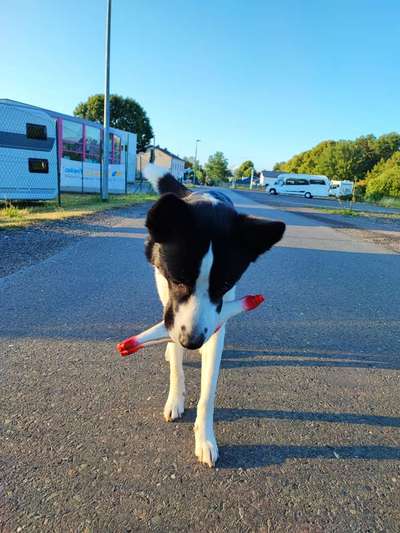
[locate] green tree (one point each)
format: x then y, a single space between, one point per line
125 114
200 173
384 179
387 145
189 162
279 166
217 167
344 159
367 145
244 170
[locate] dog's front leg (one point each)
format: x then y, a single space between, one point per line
176 398
206 449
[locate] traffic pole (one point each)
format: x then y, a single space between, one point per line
106 129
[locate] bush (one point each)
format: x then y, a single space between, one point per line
359 190
384 180
345 197
387 184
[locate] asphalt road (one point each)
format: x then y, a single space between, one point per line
283 200
307 414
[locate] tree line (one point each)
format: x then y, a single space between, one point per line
127 114
372 162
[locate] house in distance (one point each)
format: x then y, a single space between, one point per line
162 158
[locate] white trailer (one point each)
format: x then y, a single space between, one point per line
305 185
78 148
28 153
341 188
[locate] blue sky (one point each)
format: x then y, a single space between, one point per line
256 79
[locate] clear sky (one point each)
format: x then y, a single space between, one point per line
257 79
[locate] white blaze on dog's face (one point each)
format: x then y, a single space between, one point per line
200 249
196 318
190 315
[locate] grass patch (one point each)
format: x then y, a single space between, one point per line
353 213
21 214
389 202
13 212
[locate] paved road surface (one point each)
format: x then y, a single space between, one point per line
307 414
282 200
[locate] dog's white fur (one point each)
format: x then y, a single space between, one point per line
153 173
198 312
193 319
198 307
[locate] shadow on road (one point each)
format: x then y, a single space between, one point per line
231 415
234 414
234 359
260 455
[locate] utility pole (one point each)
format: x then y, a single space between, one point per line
195 151
106 129
195 160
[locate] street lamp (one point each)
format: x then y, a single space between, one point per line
106 129
195 158
195 151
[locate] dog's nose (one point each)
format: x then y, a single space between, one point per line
191 342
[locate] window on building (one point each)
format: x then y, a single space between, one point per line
72 140
93 152
38 166
36 131
115 149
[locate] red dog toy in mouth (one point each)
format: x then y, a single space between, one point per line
159 333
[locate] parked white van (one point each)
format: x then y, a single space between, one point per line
305 185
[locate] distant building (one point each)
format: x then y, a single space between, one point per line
163 158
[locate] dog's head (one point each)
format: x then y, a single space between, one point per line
201 250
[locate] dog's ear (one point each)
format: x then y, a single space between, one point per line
257 235
168 217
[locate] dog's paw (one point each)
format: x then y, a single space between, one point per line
174 407
206 449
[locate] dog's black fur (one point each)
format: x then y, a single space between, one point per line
200 247
182 226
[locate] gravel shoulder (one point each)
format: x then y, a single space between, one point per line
20 248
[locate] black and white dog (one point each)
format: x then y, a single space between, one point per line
200 247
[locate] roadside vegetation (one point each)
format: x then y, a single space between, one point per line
354 213
389 202
125 114
21 214
372 163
